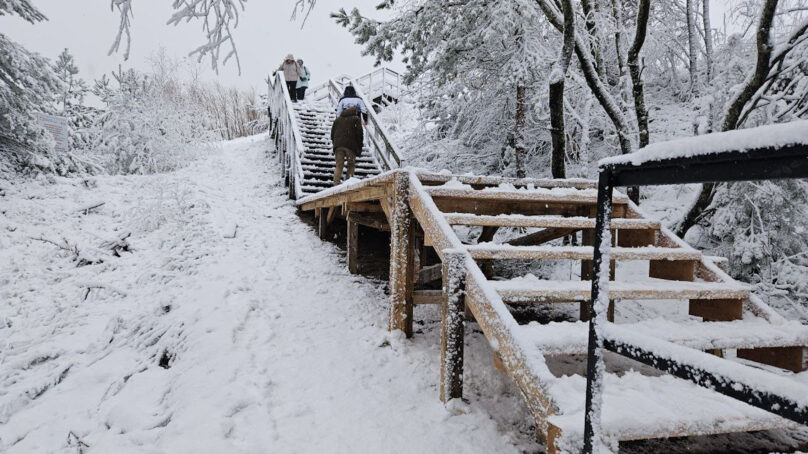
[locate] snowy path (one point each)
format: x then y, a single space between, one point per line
194 342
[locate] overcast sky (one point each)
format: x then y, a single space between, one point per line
264 36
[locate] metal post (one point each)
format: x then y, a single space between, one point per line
597 309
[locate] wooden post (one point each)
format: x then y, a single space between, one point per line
322 230
402 276
353 246
452 329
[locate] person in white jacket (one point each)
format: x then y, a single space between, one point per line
291 73
351 99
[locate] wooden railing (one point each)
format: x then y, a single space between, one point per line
284 128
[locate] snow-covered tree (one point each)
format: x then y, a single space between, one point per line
149 124
71 104
28 85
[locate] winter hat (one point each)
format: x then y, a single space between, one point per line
290 57
300 60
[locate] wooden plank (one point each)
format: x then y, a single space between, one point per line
568 196
794 359
360 195
717 310
373 220
401 258
571 222
541 237
353 246
430 273
431 178
507 252
573 291
452 326
427 297
365 207
495 207
636 238
679 270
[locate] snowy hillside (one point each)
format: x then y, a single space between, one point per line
223 324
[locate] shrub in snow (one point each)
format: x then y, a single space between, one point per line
150 124
762 227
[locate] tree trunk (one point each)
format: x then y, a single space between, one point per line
518 131
557 76
708 39
590 10
643 10
762 67
692 46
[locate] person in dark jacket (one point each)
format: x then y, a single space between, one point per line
351 99
347 137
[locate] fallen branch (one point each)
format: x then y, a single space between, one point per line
86 210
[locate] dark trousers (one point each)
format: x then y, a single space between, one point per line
301 93
292 87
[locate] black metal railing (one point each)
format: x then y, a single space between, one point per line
762 163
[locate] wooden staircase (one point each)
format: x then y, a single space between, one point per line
318 164
422 211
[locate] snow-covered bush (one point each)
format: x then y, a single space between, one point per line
150 124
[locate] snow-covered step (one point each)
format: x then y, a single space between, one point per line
499 194
507 251
568 338
571 222
637 407
531 290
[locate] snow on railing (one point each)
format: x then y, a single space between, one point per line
283 124
377 138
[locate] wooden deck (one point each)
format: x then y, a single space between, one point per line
421 209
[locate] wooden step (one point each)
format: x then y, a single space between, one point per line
571 338
507 252
639 407
566 195
573 222
531 290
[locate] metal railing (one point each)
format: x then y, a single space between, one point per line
762 163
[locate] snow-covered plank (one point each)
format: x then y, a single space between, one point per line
568 338
530 290
548 195
429 178
769 136
637 407
565 222
544 252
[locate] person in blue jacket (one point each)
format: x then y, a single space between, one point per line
351 99
303 80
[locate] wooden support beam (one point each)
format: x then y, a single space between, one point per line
322 225
353 246
495 207
541 237
717 310
452 326
430 273
675 270
427 297
365 207
369 219
487 236
402 275
794 359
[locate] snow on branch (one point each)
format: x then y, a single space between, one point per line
219 18
22 8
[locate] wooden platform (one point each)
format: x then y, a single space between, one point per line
421 211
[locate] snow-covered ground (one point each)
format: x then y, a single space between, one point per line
227 326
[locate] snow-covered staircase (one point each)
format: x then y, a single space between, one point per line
302 135
722 317
317 162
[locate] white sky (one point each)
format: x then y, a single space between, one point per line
264 36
